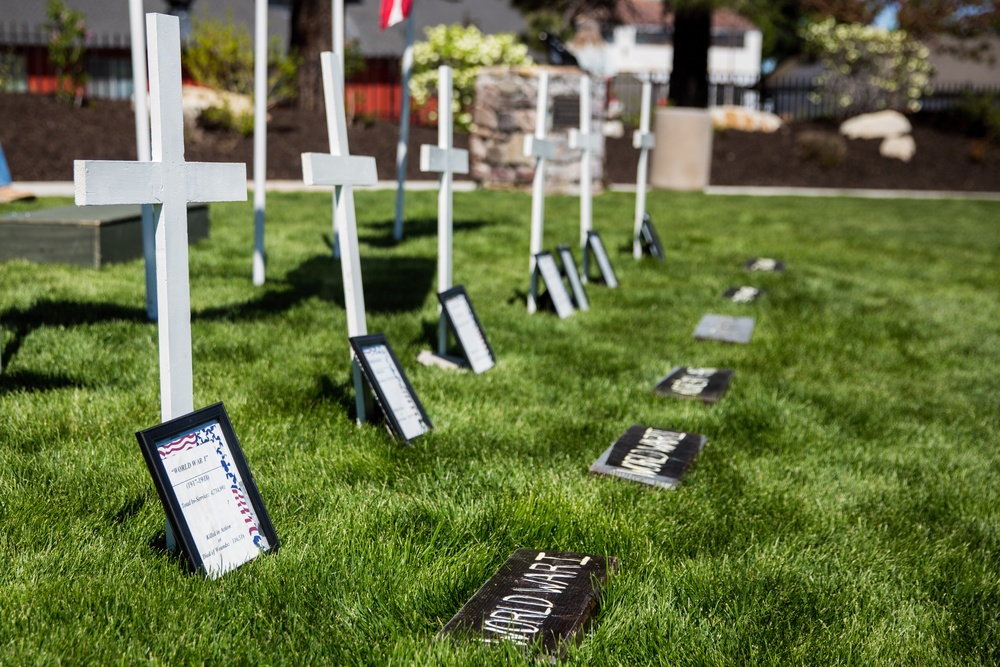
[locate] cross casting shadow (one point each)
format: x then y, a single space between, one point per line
412 229
52 313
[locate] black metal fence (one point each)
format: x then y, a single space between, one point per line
789 98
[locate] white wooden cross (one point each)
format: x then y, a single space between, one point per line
590 144
644 140
259 138
343 171
447 160
169 183
540 148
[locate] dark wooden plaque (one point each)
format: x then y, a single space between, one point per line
545 264
705 384
725 328
209 496
569 270
764 265
404 414
468 331
540 599
650 455
596 247
744 294
649 239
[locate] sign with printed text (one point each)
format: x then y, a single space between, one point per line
207 490
764 265
573 276
537 599
467 329
404 414
555 288
596 247
705 384
744 294
725 328
650 455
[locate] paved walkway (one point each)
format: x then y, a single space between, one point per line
65 189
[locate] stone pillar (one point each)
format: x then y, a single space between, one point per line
504 113
682 157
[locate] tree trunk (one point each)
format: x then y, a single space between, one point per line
689 75
312 33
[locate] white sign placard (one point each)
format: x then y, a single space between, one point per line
603 263
469 333
210 491
546 264
399 403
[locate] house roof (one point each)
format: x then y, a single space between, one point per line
650 12
108 22
490 16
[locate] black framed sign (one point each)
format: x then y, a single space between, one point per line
650 239
573 276
744 294
468 331
764 265
705 384
653 456
545 264
725 328
207 490
404 415
541 599
596 247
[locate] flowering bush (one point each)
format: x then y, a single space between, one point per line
465 50
867 68
67 45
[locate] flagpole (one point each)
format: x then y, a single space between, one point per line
404 127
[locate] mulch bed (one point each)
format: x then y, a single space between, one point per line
42 136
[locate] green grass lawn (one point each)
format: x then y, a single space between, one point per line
844 511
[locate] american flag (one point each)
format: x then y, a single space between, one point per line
394 11
179 445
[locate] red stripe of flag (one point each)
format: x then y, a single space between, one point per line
394 11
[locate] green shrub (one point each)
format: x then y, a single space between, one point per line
224 118
67 47
466 50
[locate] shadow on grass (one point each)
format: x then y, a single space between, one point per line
47 313
412 229
391 285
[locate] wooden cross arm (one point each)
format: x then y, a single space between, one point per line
326 169
434 158
591 142
538 147
116 182
645 140
215 181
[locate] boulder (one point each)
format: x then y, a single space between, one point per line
878 125
195 99
747 120
899 148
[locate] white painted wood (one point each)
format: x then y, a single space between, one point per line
142 144
541 149
170 183
338 31
590 144
343 171
447 160
644 141
259 139
404 126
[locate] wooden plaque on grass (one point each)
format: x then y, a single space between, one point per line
207 491
467 329
744 294
573 276
596 247
705 384
725 328
539 599
764 265
404 414
555 288
650 455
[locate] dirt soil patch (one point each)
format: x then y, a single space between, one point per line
41 137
